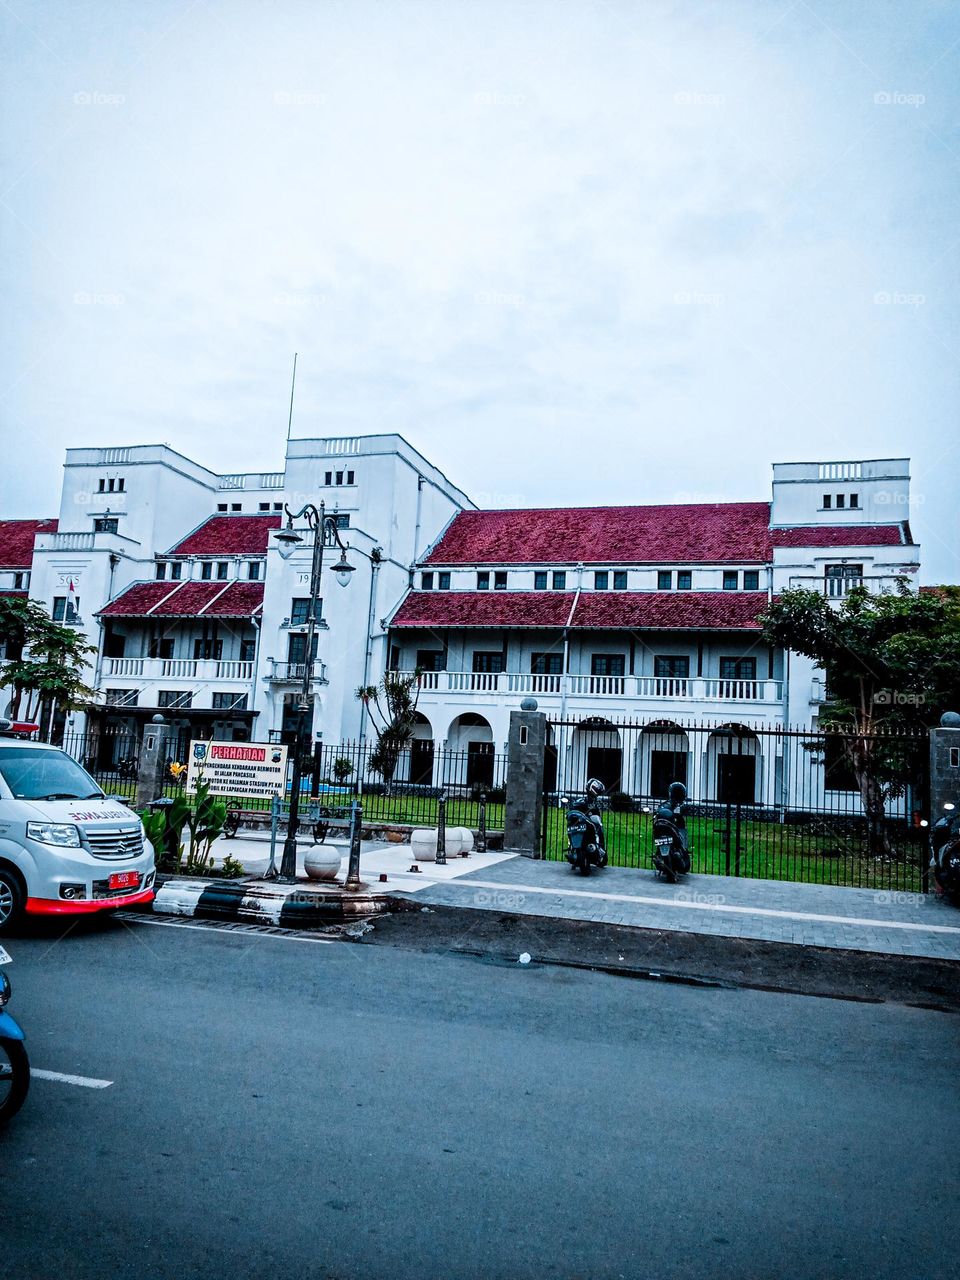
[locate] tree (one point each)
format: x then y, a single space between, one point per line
892 665
45 661
342 769
392 708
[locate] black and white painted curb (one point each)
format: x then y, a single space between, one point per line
290 906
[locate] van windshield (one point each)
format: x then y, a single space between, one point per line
33 774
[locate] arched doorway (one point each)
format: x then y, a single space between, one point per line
596 752
421 752
664 758
732 764
470 751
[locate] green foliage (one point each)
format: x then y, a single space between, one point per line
46 660
342 769
203 819
232 869
392 708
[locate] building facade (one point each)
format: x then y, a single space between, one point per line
647 614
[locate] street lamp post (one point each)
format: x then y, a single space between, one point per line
289 539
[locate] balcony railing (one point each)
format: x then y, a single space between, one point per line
837 588
292 672
197 669
692 689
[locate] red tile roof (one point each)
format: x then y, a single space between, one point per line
596 610
608 535
229 536
676 534
187 600
840 535
16 541
485 609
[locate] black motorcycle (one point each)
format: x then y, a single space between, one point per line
14 1064
945 853
586 846
671 851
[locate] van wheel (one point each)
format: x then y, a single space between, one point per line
11 898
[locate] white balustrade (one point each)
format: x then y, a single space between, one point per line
651 688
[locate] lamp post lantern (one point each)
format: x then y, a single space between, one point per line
288 540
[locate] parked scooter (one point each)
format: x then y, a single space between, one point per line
945 853
585 839
14 1064
671 852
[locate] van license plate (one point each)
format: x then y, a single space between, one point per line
124 880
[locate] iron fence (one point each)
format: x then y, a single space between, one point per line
764 802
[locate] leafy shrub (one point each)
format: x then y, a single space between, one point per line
232 869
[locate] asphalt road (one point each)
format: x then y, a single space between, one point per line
291 1109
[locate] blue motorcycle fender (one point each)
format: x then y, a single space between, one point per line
9 1029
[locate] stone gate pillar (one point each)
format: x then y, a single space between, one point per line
526 750
152 772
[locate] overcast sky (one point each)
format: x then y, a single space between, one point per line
575 252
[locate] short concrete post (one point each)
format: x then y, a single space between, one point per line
441 859
152 770
525 759
944 770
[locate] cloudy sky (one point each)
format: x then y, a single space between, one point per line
588 251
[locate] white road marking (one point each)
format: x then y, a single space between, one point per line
724 908
85 1082
243 929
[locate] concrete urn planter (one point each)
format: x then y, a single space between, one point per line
463 837
322 862
423 844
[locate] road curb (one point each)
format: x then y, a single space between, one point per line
287 906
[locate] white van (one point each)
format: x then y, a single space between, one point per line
65 849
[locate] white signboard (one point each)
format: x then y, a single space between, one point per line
238 768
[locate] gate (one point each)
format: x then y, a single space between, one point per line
764 802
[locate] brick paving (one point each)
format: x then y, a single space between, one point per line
879 921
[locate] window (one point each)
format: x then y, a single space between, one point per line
264 506
120 484
751 579
486 662
106 524
248 650
206 570
665 580
176 570
221 506
500 580
161 647
731 579
620 580
161 571
328 477
607 664
426 581
111 484
841 501
236 506
559 580
546 664
297 648
278 506
343 522
671 666
253 570
601 580
229 702
738 668
339 477
826 502
207 649
539 581
684 579
855 500
101 485
431 660
19 581
349 477
300 610
222 567
175 698
483 581
122 697
443 581
841 577
838 774
65 609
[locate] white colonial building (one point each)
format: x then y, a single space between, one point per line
646 613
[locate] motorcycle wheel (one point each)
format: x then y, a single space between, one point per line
14 1078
